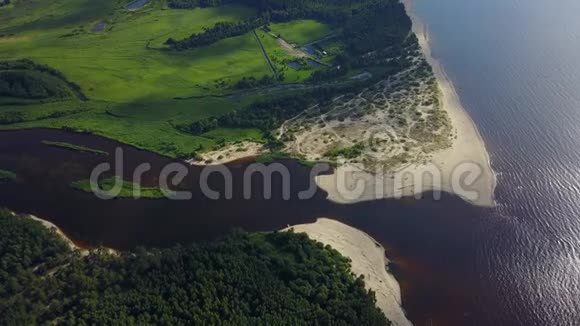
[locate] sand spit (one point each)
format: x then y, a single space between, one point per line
467 154
368 259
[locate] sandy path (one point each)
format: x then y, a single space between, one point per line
290 49
368 259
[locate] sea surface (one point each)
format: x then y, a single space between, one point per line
516 67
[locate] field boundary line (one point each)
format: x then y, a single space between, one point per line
265 54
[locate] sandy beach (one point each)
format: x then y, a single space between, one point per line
448 170
368 259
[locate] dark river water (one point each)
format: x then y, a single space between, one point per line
517 70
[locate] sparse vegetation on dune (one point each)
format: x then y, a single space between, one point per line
391 124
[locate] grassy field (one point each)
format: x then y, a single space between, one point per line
138 90
301 31
131 80
126 62
146 125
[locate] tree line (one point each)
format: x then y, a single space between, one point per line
279 278
219 31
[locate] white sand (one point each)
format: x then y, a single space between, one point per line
368 259
467 153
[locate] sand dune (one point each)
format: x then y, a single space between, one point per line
467 155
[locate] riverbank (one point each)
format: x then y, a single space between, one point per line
368 259
444 170
73 246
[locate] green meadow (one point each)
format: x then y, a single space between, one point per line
139 89
126 61
301 32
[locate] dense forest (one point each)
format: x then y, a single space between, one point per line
29 80
244 279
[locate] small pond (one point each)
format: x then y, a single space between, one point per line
99 27
294 65
137 4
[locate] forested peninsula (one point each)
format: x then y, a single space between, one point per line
279 278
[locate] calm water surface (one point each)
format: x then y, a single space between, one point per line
516 64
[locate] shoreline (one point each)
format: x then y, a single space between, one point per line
451 92
51 226
367 258
83 251
467 154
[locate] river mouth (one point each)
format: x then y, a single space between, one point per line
431 241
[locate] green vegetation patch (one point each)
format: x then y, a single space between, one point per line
351 152
31 84
301 31
7 176
25 79
279 278
127 190
74 147
281 58
269 158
